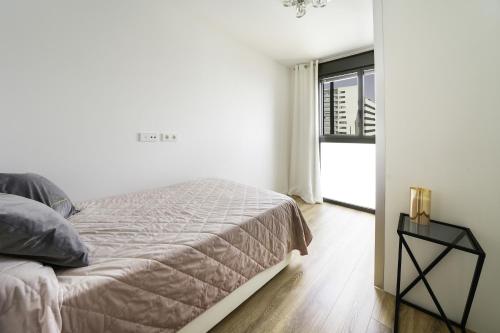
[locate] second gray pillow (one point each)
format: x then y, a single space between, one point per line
39 188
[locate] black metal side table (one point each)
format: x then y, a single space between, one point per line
451 236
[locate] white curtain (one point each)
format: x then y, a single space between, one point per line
304 178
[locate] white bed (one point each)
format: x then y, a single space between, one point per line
173 259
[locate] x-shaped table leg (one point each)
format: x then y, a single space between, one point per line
427 285
432 264
421 277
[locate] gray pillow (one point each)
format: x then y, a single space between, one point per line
30 229
36 187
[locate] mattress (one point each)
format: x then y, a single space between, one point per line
162 257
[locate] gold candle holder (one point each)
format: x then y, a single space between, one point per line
420 205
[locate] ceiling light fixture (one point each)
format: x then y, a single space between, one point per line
301 5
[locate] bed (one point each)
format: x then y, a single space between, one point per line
173 259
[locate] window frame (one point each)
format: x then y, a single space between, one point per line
361 138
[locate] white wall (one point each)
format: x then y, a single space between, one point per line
443 132
79 79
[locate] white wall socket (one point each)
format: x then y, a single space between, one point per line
168 137
149 137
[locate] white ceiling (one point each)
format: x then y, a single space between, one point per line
340 27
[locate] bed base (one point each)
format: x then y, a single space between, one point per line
211 317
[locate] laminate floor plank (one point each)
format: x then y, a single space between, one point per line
353 309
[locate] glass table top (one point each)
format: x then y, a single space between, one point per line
437 231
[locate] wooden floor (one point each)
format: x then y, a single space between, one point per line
331 289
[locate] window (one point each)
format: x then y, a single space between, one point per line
347 122
348 100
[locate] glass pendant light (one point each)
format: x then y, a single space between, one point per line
301 5
319 3
301 10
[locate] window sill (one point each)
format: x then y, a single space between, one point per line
347 139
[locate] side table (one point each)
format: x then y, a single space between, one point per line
451 236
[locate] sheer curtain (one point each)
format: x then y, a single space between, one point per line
304 178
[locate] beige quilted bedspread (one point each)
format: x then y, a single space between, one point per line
162 257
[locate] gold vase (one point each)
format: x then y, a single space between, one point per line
420 205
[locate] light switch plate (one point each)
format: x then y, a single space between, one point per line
169 137
149 137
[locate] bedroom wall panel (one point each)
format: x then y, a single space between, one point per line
80 79
442 132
